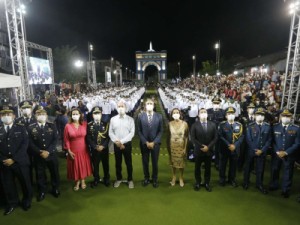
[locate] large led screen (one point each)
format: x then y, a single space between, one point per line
39 71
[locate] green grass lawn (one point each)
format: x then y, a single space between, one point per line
165 205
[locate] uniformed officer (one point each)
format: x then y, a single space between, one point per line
258 139
246 120
97 138
217 115
286 136
231 135
14 161
43 137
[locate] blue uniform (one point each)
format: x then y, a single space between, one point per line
288 141
257 138
229 135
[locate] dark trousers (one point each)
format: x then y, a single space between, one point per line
128 161
288 171
217 152
40 166
8 175
154 160
259 169
224 158
98 157
207 163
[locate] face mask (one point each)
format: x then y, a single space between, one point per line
251 111
149 108
176 116
41 118
259 118
7 120
75 117
121 111
203 116
231 117
216 107
27 111
285 120
97 117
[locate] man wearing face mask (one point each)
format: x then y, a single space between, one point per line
216 115
43 137
97 139
286 136
204 135
121 132
258 139
231 135
150 129
26 119
14 161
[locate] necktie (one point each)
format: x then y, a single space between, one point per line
149 119
204 125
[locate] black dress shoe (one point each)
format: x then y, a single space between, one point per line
207 187
55 193
26 206
145 182
197 187
262 190
245 186
94 183
8 210
106 183
40 197
155 184
234 183
285 194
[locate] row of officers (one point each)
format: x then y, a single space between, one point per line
25 144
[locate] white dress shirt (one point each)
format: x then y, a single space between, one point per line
121 128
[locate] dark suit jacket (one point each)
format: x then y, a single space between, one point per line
147 133
15 145
200 137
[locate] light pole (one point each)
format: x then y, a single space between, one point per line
116 77
179 69
218 49
111 66
194 64
126 73
90 79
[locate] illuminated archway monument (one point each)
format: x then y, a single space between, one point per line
151 58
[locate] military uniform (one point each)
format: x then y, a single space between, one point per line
44 137
13 145
287 140
258 137
97 134
229 134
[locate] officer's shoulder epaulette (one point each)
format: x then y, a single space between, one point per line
296 125
223 122
90 123
238 122
251 124
30 125
49 122
20 124
275 124
266 123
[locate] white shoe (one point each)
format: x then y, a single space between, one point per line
117 183
130 184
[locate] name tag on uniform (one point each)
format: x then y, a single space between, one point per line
277 132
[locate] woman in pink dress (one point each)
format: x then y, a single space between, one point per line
78 160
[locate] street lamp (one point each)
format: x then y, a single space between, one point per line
126 73
78 63
179 69
89 67
194 64
116 77
218 49
111 65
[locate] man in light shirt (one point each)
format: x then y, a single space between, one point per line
121 132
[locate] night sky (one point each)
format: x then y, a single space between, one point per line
118 28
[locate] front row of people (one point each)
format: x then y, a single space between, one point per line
40 138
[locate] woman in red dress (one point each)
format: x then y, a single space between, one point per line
78 160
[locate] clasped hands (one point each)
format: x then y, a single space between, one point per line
99 148
281 154
258 152
8 162
150 145
231 147
204 148
44 154
119 145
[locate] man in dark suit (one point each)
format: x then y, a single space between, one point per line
286 143
14 161
258 139
97 139
204 136
43 137
231 135
150 129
